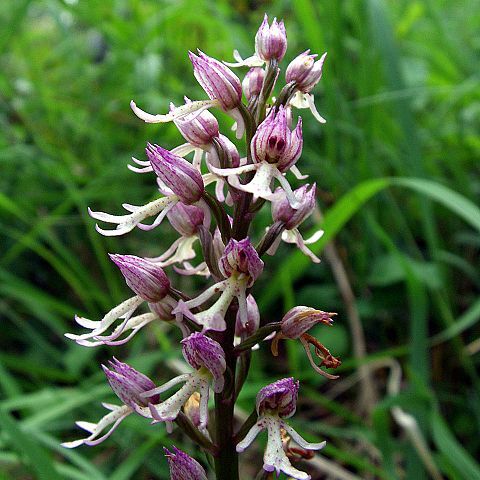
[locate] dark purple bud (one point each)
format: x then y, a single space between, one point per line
129 384
271 41
305 71
279 397
197 129
241 257
202 351
300 320
218 81
183 467
145 278
185 219
253 319
253 82
283 212
176 173
274 142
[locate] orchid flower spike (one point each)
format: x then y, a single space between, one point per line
275 150
183 467
306 73
241 266
292 218
207 358
150 284
295 325
275 403
129 385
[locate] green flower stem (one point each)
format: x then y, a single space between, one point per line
226 458
257 337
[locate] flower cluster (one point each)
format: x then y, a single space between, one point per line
210 195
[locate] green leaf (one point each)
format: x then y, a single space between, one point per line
37 458
449 446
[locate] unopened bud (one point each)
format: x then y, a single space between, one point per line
271 41
253 82
305 71
197 129
145 278
290 217
218 81
176 173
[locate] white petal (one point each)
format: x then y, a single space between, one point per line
275 457
225 172
292 199
315 237
115 417
126 308
252 61
183 150
313 109
237 116
300 440
250 436
167 386
298 174
197 106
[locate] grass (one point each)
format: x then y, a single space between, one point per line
397 167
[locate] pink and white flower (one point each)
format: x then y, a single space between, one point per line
129 385
275 403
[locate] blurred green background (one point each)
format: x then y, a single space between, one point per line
397 167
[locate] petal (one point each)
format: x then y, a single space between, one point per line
298 174
250 436
252 61
197 106
313 109
300 440
115 417
126 308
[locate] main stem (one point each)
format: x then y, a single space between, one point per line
226 460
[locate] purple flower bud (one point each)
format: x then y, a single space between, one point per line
128 384
241 257
300 320
218 81
253 319
283 212
145 278
202 351
305 71
275 143
185 219
197 129
253 82
279 397
271 41
176 173
183 467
